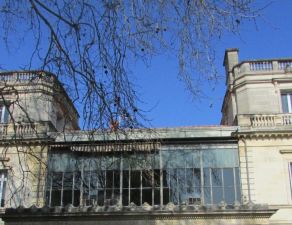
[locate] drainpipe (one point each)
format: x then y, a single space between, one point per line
247 170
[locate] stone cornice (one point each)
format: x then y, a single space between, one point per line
138 215
260 133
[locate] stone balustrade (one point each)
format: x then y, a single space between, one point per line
23 130
278 65
26 76
267 120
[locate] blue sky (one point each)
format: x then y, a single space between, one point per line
164 98
171 105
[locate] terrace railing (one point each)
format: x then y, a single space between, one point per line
264 120
279 65
26 76
25 130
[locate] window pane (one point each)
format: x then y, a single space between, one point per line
147 196
56 198
216 177
125 197
68 181
57 181
67 197
100 197
147 178
166 196
284 103
189 178
207 177
116 174
135 196
5 116
229 195
109 179
125 178
207 195
228 177
217 195
220 158
76 198
197 177
156 196
135 179
157 178
77 180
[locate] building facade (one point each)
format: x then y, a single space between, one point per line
238 172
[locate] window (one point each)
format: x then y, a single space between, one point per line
190 176
3 114
286 99
3 179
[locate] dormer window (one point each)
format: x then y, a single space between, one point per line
286 102
4 115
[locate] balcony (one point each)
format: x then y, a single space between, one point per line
265 120
25 130
266 66
26 77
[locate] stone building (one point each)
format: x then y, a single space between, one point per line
238 172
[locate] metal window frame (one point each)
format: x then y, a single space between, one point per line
168 170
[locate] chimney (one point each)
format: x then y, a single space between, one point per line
230 60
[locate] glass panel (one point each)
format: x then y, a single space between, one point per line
109 193
86 185
197 177
67 197
229 195
77 180
125 178
238 186
147 178
68 181
156 196
56 198
5 116
166 196
147 196
189 178
284 103
135 179
76 197
63 163
135 196
125 197
207 177
57 181
228 177
157 178
177 159
217 195
207 195
220 158
116 174
109 179
101 181
1 112
216 177
100 196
